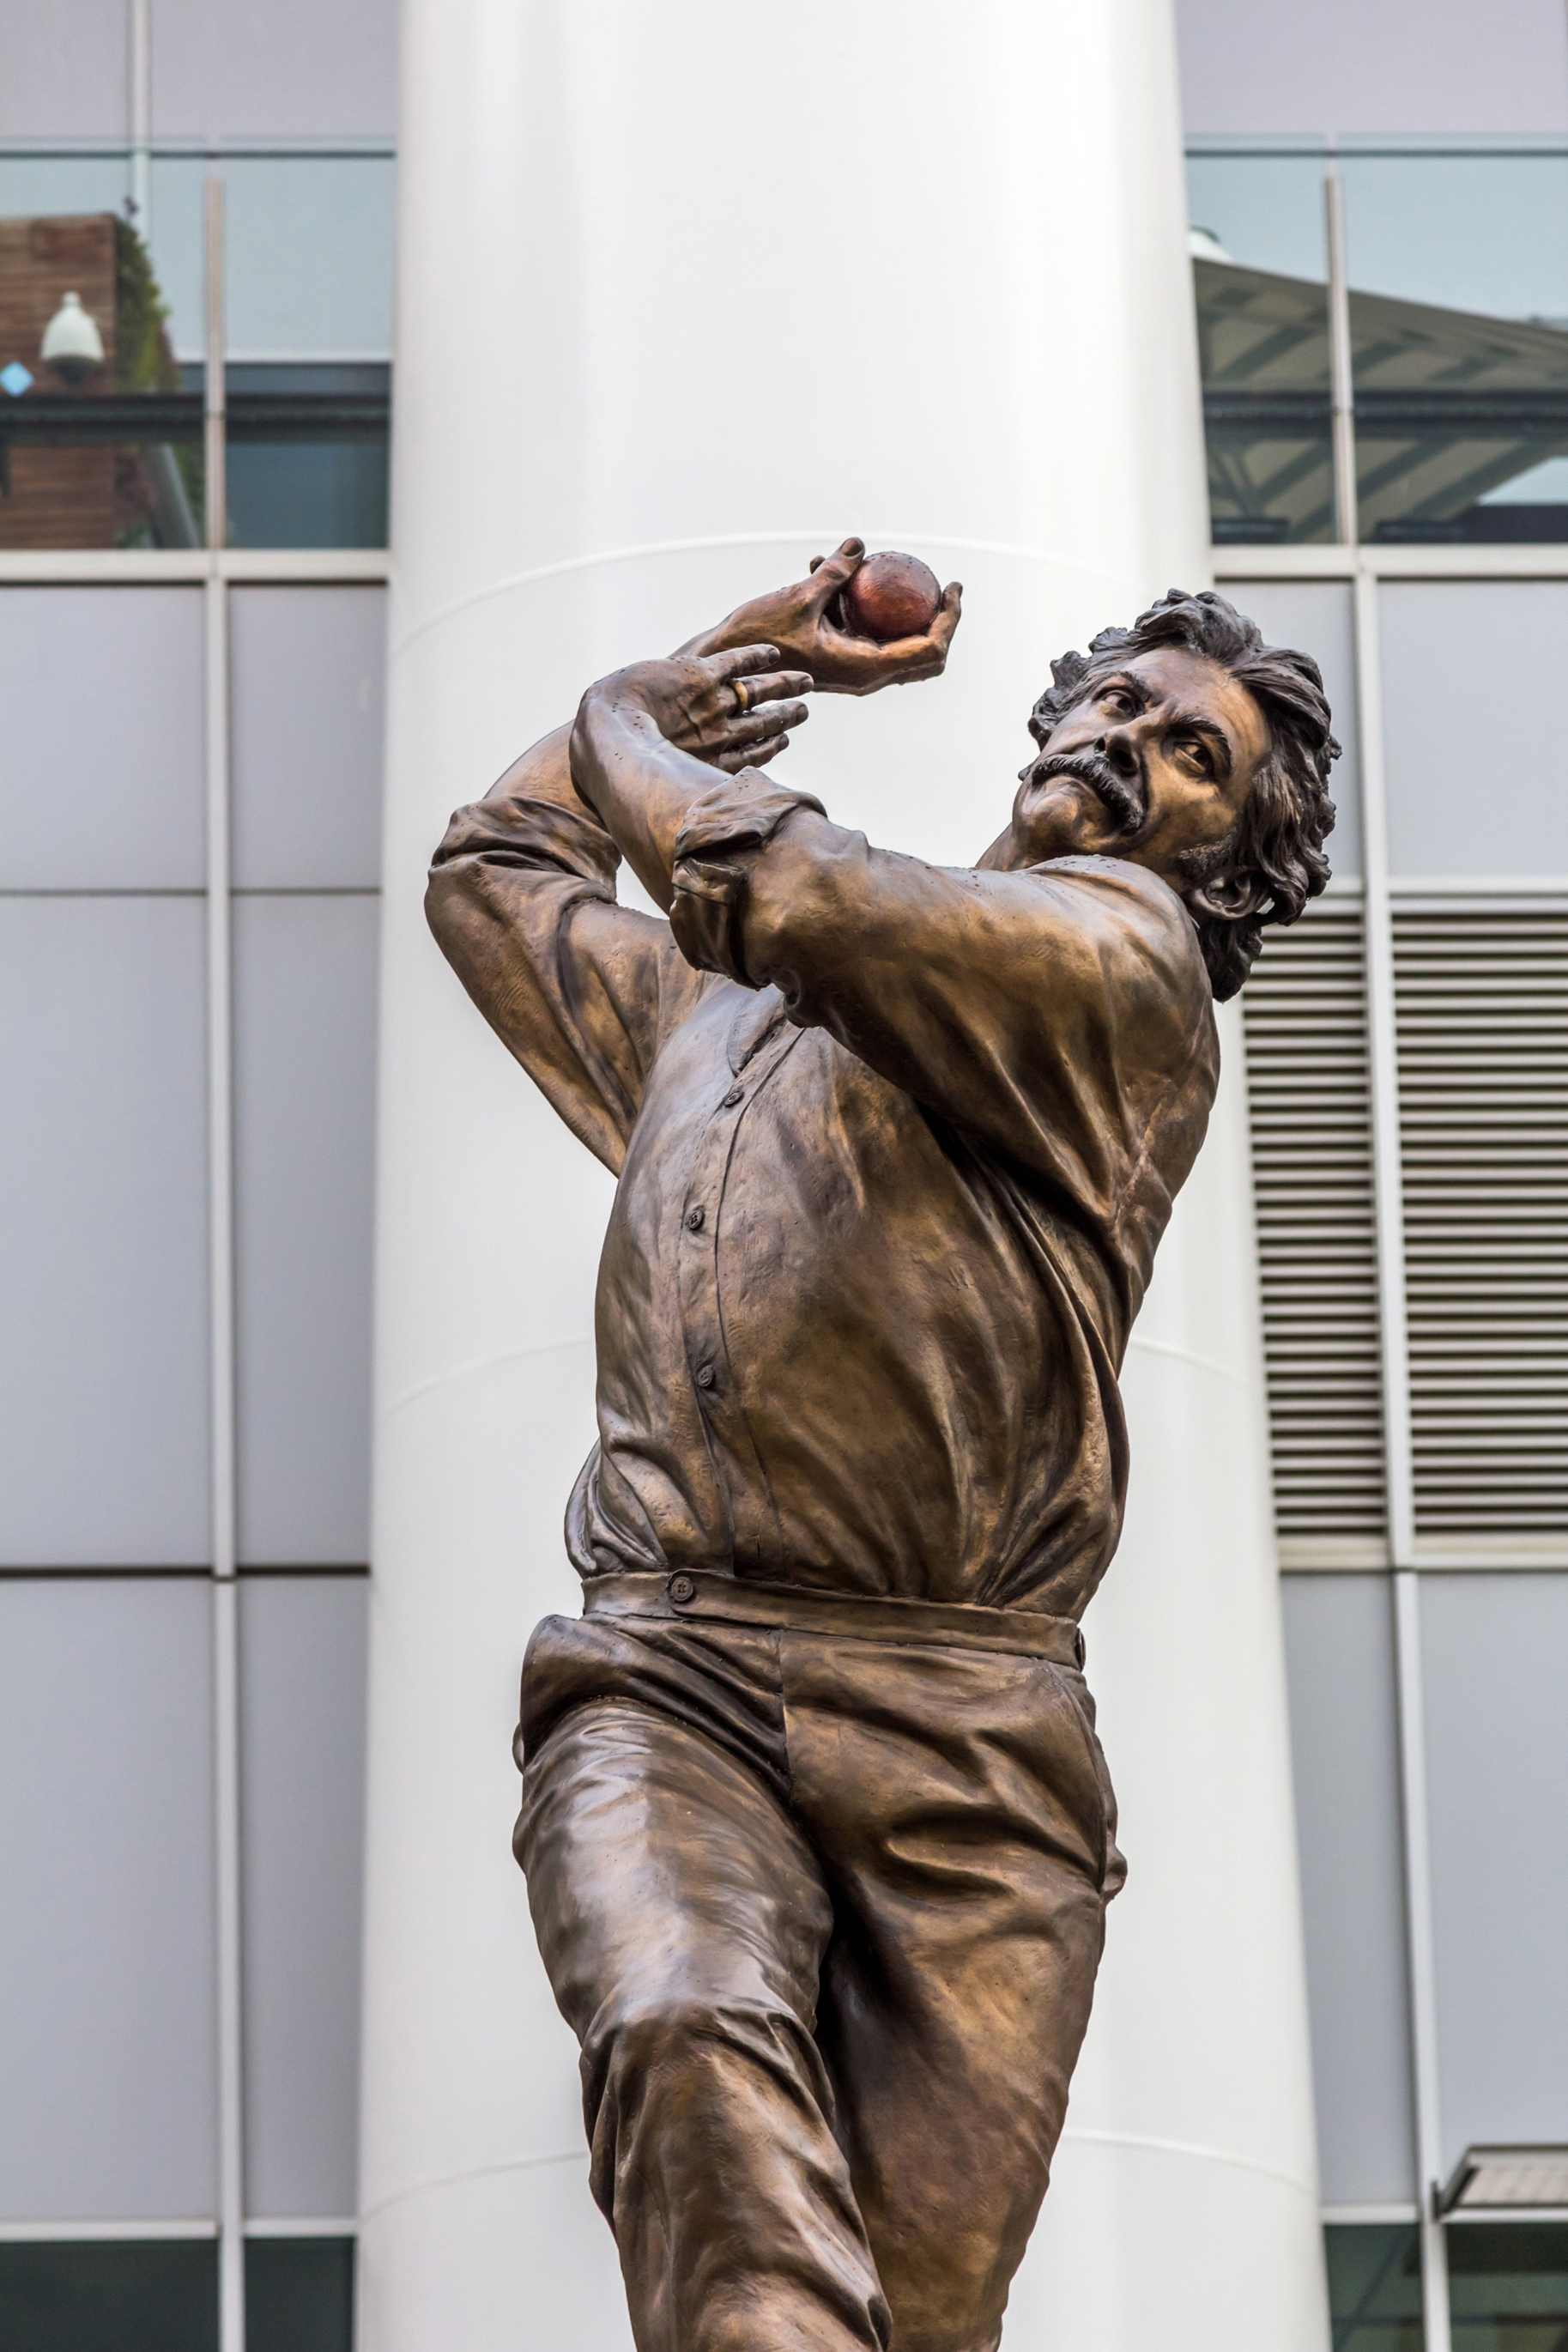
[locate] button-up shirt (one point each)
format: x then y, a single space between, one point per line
895 1143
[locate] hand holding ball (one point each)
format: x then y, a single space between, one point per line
891 596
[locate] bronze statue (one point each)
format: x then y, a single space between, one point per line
818 1833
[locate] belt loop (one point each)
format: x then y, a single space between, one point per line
1078 1653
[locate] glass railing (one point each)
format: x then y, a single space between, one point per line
1260 278
123 279
1453 270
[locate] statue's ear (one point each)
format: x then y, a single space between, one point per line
1228 898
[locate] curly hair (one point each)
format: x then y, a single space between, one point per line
1274 852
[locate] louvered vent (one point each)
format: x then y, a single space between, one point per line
1305 1012
1482 1016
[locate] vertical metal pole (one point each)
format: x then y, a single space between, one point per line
141 115
216 417
1388 1193
1341 367
220 1161
1423 1955
1384 1072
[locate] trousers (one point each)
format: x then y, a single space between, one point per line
824 1913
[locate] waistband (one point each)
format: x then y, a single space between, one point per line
702 1595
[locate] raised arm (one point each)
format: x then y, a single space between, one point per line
628 759
522 900
1056 1013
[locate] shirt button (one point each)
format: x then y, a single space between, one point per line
706 1376
681 1588
694 1220
731 1099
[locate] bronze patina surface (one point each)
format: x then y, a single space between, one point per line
817 1830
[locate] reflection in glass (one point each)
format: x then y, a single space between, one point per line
105 2298
1508 2285
1459 312
1259 275
299 2294
100 443
1374 2287
308 454
307 314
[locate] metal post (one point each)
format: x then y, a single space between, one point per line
1383 1074
1341 366
1388 1194
1423 1956
220 1162
215 405
140 117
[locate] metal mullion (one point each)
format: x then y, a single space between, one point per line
1342 371
140 111
1422 1954
1383 1065
1383 1074
220 1178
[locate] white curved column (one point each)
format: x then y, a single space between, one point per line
685 294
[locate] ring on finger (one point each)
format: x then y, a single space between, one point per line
742 697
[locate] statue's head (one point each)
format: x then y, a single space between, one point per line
1187 745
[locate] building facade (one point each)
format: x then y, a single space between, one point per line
193 681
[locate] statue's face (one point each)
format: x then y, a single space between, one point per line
1155 762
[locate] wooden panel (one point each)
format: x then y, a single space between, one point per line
61 497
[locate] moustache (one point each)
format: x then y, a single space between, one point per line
1120 793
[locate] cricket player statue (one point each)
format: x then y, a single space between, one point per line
818 1835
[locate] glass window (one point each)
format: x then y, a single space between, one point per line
298 2294
1508 2285
1375 2287
308 265
103 346
109 2298
1458 265
1260 279
101 433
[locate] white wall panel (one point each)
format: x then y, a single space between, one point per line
294 68
1315 616
302 1740
1478 776
66 70
307 677
103 1234
1374 65
305 1028
1495 1651
107 2033
100 738
1339 1655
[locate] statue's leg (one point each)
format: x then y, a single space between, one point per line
957 1804
683 1919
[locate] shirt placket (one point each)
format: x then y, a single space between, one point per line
754 1535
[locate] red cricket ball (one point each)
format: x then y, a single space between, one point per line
892 596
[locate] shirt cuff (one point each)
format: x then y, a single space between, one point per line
713 851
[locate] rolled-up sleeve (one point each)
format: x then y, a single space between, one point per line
580 988
1059 1012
